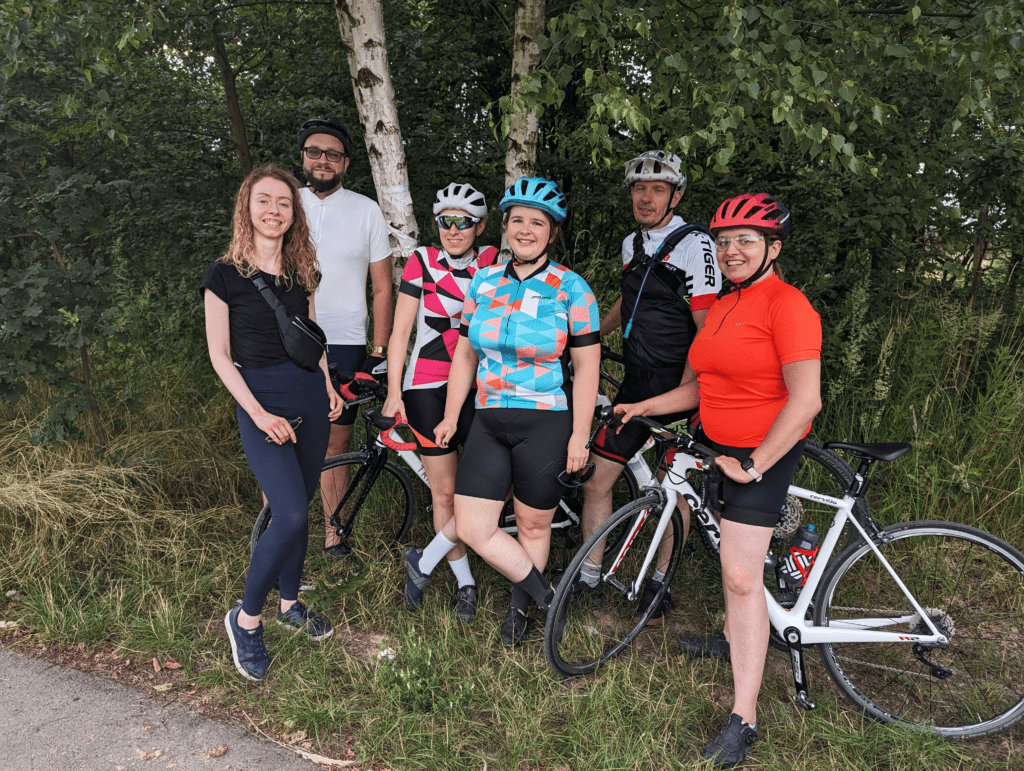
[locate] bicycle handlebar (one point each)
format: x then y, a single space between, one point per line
608 353
386 426
681 439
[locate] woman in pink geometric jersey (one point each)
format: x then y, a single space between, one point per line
431 296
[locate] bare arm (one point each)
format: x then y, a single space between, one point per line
614 318
460 380
405 319
586 365
698 318
218 343
803 381
380 279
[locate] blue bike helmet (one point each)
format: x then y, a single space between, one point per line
537 193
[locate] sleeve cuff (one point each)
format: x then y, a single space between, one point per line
582 341
410 289
464 330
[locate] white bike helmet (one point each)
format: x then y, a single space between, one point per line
461 196
656 165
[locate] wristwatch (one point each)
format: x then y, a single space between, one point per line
748 466
378 350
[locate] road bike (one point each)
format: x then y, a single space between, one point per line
917 622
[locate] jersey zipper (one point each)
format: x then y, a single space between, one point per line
507 323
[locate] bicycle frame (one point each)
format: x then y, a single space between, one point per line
786 620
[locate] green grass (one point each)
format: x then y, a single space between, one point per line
145 547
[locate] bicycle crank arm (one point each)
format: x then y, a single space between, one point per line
624 590
796 655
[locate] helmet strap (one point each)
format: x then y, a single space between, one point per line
765 266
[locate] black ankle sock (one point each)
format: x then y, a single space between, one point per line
536 586
520 599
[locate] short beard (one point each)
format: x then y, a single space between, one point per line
324 185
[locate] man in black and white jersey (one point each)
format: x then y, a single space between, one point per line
669 280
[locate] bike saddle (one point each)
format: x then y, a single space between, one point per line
886 452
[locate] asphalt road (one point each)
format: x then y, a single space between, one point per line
57 719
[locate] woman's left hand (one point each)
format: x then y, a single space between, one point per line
578 453
732 469
337 403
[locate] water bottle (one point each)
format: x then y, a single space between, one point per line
802 551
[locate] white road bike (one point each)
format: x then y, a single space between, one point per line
918 622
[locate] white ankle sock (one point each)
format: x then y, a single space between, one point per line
463 574
590 574
658 576
434 553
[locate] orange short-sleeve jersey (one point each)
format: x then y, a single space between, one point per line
738 356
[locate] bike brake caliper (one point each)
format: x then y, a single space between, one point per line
796 655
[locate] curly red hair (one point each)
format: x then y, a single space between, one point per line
297 250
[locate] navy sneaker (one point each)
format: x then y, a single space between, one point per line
247 649
465 602
650 592
299 618
415 581
715 646
730 747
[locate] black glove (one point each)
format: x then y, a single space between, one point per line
377 367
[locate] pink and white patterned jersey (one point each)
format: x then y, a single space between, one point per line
439 281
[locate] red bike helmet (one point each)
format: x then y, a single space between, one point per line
752 210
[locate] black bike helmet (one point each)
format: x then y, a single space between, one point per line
325 125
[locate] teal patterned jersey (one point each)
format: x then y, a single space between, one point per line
522 332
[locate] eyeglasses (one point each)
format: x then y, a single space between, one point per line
744 241
578 478
314 153
461 221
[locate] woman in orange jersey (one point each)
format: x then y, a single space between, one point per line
755 371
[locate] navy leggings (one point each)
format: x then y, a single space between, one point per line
288 474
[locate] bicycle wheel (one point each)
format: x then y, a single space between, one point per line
376 514
971 585
385 510
821 471
596 631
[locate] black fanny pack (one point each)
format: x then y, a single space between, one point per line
303 340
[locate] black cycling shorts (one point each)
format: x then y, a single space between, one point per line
524 449
620 447
757 503
425 409
348 358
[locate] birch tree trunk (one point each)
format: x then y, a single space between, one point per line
521 154
361 23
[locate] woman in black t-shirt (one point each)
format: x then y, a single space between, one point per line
271 239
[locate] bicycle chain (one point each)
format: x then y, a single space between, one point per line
872 665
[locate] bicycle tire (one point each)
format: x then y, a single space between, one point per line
971 584
392 498
593 634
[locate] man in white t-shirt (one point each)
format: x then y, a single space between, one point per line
351 240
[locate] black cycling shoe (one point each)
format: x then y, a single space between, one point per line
465 602
590 596
650 592
715 646
515 626
730 747
339 551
